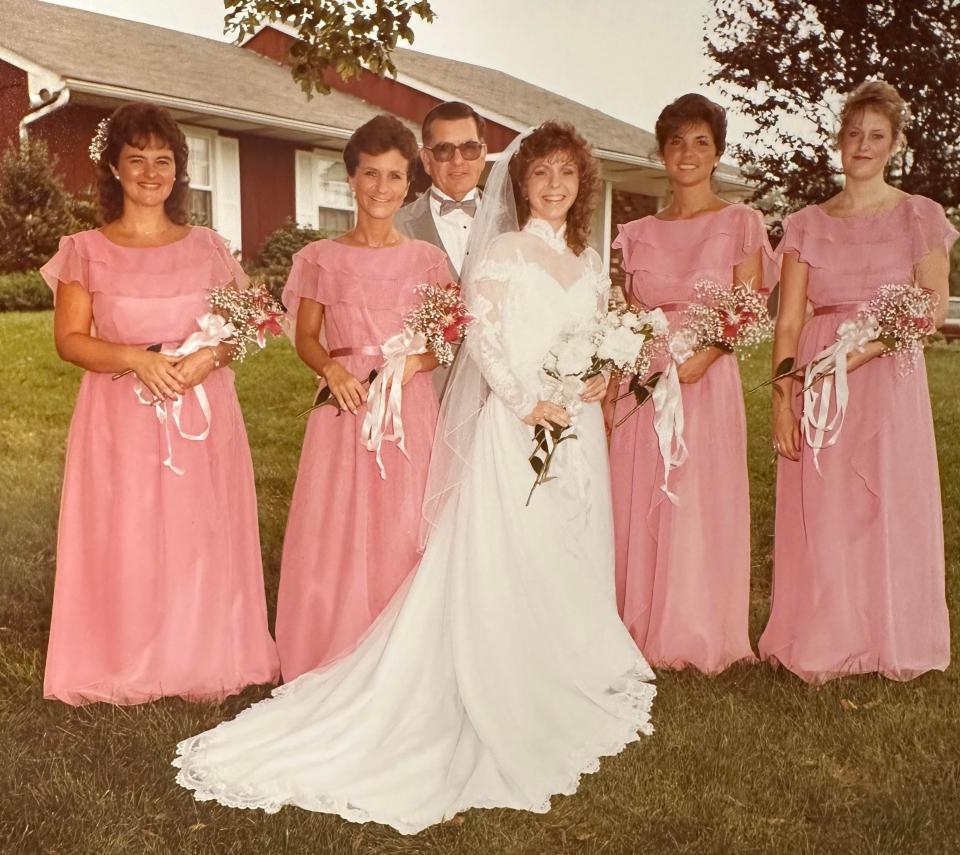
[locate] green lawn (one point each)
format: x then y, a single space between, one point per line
751 761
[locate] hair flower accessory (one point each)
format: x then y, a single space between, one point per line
99 142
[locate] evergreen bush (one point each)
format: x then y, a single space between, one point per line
272 264
35 208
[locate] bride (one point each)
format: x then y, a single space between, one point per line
500 672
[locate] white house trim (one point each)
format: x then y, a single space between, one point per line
176 103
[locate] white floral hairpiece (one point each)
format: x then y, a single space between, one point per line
99 141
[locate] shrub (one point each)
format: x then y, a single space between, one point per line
35 208
272 264
24 291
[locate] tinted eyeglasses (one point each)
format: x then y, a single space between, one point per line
442 152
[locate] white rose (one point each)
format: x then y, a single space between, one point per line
621 347
574 356
658 322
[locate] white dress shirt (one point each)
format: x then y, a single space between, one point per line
454 228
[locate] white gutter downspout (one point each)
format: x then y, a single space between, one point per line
63 96
40 84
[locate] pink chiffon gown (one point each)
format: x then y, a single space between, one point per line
159 585
352 536
683 571
858 576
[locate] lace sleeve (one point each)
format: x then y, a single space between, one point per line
485 339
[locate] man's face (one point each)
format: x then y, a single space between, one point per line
455 177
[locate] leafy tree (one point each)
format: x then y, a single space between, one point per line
35 208
343 35
786 64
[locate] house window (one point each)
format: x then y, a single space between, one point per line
324 198
214 169
335 200
200 167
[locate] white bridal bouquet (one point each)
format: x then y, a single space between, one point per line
621 340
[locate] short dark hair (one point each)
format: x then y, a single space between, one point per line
450 111
553 138
136 125
381 134
688 109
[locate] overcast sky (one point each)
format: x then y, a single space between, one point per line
627 58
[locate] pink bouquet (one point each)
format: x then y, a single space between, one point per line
901 316
437 324
250 314
731 318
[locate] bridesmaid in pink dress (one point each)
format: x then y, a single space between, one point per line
352 536
683 570
858 579
159 586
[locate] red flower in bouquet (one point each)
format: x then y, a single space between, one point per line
252 312
441 318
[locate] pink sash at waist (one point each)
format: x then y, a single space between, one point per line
365 350
837 309
678 306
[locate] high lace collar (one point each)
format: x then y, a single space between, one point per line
556 240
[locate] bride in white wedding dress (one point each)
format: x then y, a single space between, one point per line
500 672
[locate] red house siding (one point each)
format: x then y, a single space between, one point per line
14 102
67 133
383 92
267 188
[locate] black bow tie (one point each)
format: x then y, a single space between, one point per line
468 206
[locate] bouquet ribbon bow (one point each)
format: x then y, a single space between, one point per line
668 424
383 421
831 365
213 330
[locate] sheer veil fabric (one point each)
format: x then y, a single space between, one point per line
467 389
500 672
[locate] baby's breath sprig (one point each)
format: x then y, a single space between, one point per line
99 142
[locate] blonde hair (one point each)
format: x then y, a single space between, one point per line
882 97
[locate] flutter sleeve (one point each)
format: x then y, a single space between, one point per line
69 264
308 279
754 239
627 243
931 231
226 269
485 337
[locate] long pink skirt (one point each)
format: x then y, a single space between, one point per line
683 571
159 587
858 579
352 537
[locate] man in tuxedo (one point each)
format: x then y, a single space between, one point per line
453 154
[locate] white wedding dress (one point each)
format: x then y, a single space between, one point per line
501 671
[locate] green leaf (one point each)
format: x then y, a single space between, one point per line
785 366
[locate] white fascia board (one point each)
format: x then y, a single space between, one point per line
653 163
176 103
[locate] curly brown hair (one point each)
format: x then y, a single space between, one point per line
381 134
136 125
555 138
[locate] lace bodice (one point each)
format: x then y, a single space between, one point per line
528 289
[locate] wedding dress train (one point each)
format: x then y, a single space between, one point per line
500 672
